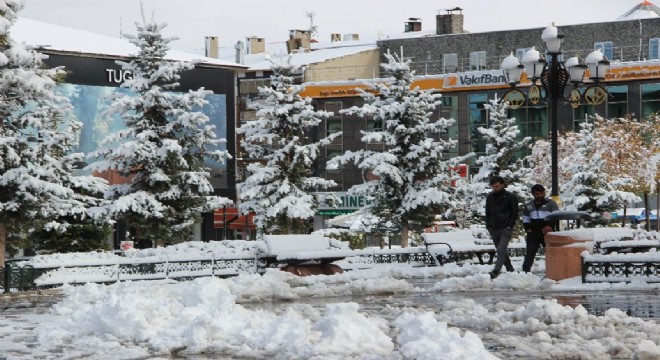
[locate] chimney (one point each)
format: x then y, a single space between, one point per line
413 25
298 39
335 37
256 45
211 46
239 52
449 23
351 37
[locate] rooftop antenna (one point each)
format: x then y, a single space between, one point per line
313 29
121 29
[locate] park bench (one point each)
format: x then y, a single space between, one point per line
301 250
458 245
626 246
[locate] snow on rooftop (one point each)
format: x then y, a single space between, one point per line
644 10
53 37
260 61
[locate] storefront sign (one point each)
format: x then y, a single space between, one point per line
346 202
117 76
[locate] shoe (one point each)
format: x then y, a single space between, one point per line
494 274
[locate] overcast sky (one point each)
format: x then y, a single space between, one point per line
191 20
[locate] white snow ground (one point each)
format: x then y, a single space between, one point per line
281 316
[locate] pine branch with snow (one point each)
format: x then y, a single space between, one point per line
279 187
413 176
163 148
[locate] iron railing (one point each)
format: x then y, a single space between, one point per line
616 270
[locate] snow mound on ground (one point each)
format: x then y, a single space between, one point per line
545 329
202 316
419 334
506 281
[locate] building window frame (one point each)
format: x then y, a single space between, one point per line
478 60
449 63
654 49
607 47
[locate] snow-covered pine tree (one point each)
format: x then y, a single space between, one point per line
502 157
279 186
37 187
589 189
163 148
413 176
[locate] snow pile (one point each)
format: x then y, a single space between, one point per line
184 251
203 316
544 329
423 337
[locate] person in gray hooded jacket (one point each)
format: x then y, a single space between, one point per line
534 213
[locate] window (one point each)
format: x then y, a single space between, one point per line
478 60
532 121
650 99
449 63
521 52
448 109
654 52
478 118
617 103
330 152
251 86
606 47
374 125
581 113
333 123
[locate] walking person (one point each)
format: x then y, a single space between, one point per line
534 213
501 215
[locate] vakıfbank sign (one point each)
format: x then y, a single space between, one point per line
476 78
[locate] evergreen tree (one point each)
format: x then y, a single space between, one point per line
38 189
589 188
412 182
502 157
279 185
163 148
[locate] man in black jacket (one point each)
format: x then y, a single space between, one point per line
501 215
534 213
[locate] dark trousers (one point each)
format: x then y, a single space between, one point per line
534 241
501 238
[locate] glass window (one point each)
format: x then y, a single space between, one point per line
374 125
650 99
448 109
521 52
478 60
654 49
333 123
330 152
606 47
478 118
581 114
449 63
617 102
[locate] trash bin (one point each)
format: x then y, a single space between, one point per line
563 248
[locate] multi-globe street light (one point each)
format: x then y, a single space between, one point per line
555 76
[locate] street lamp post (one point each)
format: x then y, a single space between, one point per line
555 75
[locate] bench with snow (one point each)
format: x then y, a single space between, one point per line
303 254
458 245
626 246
